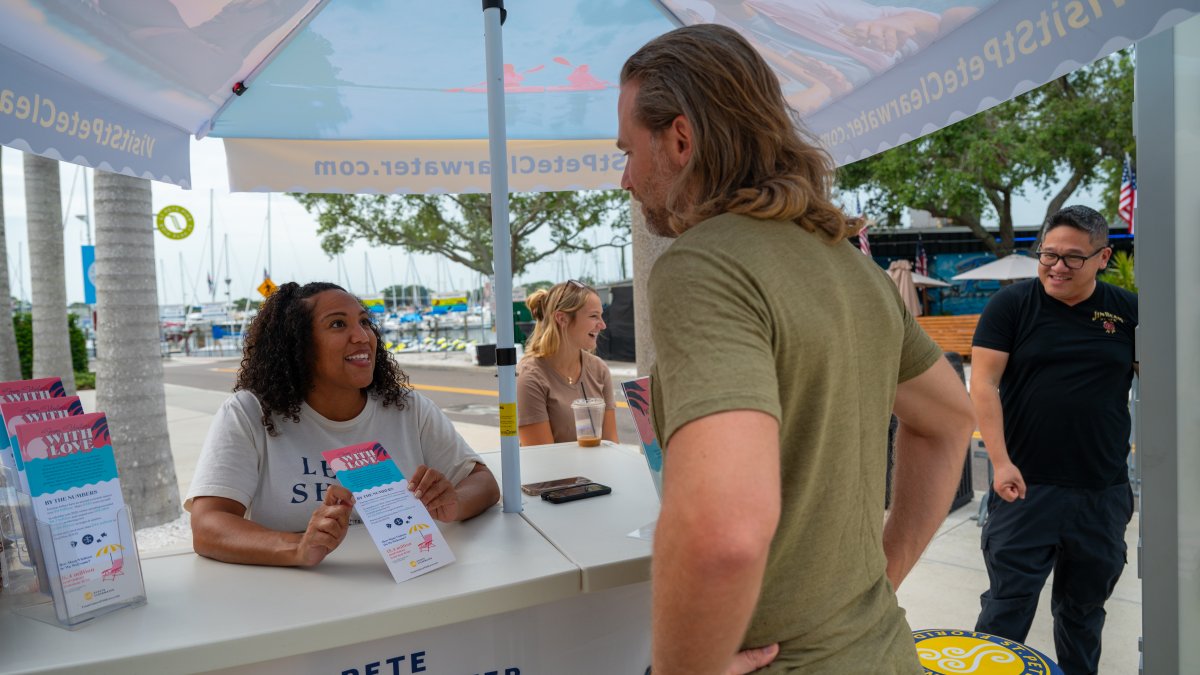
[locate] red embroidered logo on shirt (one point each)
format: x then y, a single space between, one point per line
1108 320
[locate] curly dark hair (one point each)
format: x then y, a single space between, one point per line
277 361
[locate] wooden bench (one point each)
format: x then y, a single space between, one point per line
951 333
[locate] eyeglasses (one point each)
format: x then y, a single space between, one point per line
1073 262
578 284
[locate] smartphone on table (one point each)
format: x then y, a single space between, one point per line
571 494
538 489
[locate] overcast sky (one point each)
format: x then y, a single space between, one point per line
296 253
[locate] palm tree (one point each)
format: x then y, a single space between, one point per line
1120 271
10 363
129 373
43 204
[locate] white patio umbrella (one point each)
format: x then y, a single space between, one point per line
922 281
1014 266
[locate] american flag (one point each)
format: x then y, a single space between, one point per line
1128 198
864 243
922 265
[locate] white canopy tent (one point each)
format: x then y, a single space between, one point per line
1012 266
121 84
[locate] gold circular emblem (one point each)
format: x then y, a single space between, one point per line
955 652
175 222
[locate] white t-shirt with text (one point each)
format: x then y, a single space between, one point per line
282 479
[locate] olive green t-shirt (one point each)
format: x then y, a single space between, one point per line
762 315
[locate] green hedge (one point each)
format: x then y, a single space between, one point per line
23 327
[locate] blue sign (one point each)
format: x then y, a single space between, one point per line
88 253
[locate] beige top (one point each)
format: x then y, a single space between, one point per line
543 395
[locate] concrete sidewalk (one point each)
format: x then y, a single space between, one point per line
941 592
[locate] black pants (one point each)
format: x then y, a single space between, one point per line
1080 534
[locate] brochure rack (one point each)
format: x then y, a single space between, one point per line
75 596
18 569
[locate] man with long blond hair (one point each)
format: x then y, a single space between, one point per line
781 353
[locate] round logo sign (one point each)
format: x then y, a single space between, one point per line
946 652
175 222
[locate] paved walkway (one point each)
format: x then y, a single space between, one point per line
941 592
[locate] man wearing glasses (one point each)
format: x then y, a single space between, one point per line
1052 363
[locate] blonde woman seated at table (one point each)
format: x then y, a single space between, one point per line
558 366
313 379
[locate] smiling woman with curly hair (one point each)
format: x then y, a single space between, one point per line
313 379
278 354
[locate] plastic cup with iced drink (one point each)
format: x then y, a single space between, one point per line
589 420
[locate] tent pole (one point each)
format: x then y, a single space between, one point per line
506 354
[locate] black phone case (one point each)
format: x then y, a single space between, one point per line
554 497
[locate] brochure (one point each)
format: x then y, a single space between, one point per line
24 568
398 522
25 390
86 537
637 394
16 563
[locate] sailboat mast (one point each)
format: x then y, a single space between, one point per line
228 279
212 247
21 271
87 206
269 266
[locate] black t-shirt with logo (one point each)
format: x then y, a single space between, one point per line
1065 389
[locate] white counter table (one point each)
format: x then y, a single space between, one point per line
593 533
524 573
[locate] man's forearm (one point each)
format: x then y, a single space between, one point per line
927 472
990 416
705 587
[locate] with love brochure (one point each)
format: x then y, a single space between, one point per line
398 522
25 390
86 534
19 571
22 557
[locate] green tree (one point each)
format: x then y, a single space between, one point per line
537 285
242 304
459 227
1078 126
404 294
23 335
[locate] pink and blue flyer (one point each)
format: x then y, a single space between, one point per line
637 395
86 535
398 522
25 390
24 572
